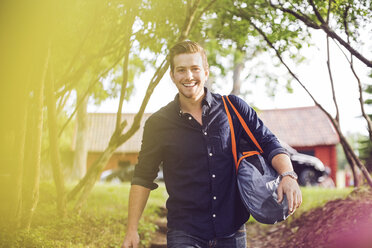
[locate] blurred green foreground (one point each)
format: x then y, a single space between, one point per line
103 220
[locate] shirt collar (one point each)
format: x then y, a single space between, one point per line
208 97
207 100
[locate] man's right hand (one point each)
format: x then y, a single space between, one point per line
131 240
137 201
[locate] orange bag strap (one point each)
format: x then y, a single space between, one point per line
242 122
247 154
233 141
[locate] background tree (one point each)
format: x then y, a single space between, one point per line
25 59
283 15
341 21
233 46
194 10
92 40
87 48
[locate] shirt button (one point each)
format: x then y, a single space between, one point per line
210 154
190 118
205 133
213 175
214 216
214 198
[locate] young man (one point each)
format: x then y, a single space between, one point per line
191 138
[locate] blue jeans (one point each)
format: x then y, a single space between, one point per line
180 239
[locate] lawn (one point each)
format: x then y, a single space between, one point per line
102 222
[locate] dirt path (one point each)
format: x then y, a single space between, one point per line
338 224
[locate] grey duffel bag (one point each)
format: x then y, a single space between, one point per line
257 180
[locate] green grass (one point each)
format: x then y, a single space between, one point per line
102 222
314 197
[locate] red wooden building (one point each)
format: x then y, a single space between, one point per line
306 129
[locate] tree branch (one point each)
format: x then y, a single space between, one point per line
329 11
79 102
123 88
332 82
106 50
54 146
351 63
361 100
308 22
318 15
80 46
283 62
354 52
124 85
158 76
202 12
63 100
346 26
80 71
137 119
191 11
334 122
305 19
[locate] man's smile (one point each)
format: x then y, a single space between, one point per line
192 84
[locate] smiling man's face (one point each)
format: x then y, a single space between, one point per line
189 75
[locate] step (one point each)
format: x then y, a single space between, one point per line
158 240
162 225
162 211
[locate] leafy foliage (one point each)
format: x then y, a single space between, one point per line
230 37
102 224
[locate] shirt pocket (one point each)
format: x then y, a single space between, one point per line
220 138
225 137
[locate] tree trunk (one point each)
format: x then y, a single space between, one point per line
54 149
350 154
238 67
13 132
14 86
24 50
31 175
93 174
351 162
81 145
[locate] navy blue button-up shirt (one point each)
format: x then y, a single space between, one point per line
198 165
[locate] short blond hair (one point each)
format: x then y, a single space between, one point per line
187 47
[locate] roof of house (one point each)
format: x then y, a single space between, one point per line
102 125
298 127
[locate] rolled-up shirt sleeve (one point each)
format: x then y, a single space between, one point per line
149 157
265 138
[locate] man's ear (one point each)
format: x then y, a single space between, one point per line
207 74
171 75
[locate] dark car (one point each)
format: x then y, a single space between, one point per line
310 170
123 173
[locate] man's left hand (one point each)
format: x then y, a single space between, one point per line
290 188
